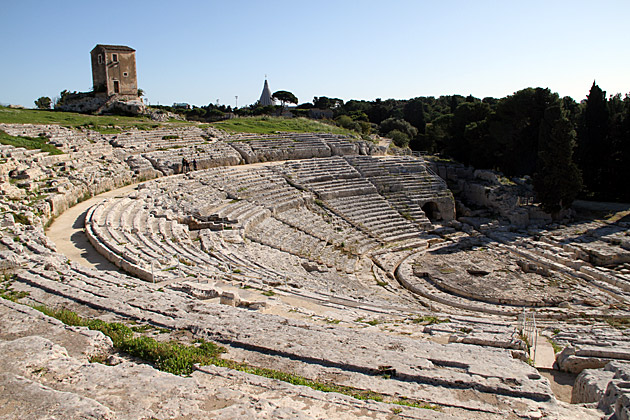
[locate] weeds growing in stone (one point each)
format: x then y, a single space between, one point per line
6 292
179 359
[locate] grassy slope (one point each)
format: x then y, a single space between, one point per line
29 143
113 124
102 123
269 125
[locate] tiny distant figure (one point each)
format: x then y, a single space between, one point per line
194 164
185 165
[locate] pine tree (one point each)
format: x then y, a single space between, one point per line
557 180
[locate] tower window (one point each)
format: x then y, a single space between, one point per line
125 74
115 58
100 59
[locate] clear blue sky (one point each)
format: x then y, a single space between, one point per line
201 51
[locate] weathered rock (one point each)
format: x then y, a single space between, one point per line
616 400
42 379
9 261
590 385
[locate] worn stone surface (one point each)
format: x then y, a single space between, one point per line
41 379
591 385
327 240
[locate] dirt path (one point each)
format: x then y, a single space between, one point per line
68 235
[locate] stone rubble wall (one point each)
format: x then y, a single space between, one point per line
485 189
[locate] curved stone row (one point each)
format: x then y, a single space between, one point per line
287 146
201 221
574 297
158 232
355 197
46 372
424 366
142 141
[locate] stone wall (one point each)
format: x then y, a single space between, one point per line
490 190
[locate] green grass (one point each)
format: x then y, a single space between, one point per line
269 125
171 356
6 292
112 124
179 359
429 320
20 218
29 143
556 348
105 124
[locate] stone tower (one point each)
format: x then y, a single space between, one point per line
265 97
114 70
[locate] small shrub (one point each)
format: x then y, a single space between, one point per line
399 138
429 320
20 218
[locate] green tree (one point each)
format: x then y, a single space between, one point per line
43 102
557 180
63 96
403 126
515 128
379 111
618 162
285 97
465 128
593 142
399 138
322 102
484 149
438 133
413 113
348 123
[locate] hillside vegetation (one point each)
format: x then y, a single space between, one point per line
106 124
29 143
112 124
269 125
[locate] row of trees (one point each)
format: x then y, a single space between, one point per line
570 149
212 112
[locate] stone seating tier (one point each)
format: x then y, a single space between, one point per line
172 309
161 138
372 213
276 234
207 155
332 229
